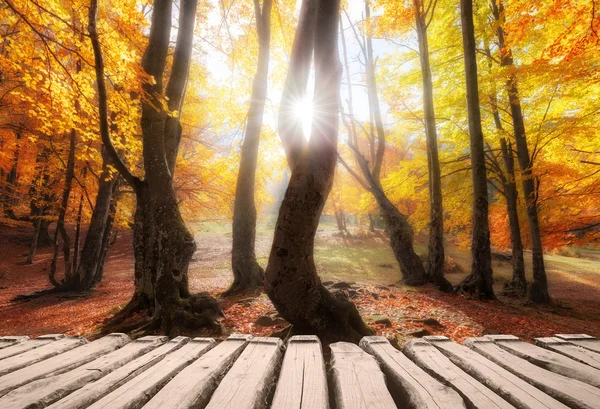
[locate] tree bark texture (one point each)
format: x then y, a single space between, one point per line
538 291
292 281
436 210
247 273
163 245
9 200
480 280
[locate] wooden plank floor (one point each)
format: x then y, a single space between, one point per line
242 372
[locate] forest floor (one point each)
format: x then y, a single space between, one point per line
364 261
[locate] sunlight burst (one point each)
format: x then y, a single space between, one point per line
304 112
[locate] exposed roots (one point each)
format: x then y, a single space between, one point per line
442 284
515 289
471 286
538 294
335 319
251 279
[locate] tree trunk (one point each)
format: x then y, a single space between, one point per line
106 236
371 223
247 273
9 200
34 241
163 246
518 284
538 292
292 282
60 223
401 234
480 280
91 259
340 220
40 199
436 210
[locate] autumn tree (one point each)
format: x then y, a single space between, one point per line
480 280
400 231
247 273
292 282
163 245
538 291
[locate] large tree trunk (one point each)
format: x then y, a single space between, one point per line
292 282
436 210
400 231
60 222
538 292
480 280
247 273
163 246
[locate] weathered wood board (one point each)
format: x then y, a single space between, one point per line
9 340
410 385
357 380
477 395
17 348
63 362
571 392
583 355
92 392
47 390
137 391
583 340
194 385
248 383
39 354
550 360
302 382
507 385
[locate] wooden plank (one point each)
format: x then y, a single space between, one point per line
174 369
39 354
357 381
410 385
582 340
550 360
302 381
91 392
63 362
45 391
251 378
575 352
21 347
10 340
475 394
571 392
510 387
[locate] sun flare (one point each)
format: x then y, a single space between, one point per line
304 112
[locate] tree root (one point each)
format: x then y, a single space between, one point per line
253 279
515 289
470 285
334 319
